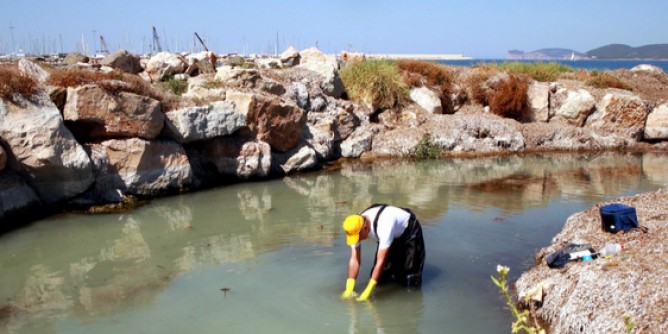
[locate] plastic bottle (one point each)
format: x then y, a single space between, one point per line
610 249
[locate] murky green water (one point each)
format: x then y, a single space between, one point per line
269 257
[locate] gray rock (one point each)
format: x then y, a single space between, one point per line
140 167
46 152
300 158
359 142
74 58
427 99
16 196
33 70
123 60
576 108
205 122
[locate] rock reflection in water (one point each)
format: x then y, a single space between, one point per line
78 266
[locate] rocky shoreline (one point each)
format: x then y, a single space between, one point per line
102 143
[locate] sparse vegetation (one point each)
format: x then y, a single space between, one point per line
606 80
422 73
13 81
426 149
176 87
522 321
538 71
376 82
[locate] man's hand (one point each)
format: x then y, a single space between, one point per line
350 289
367 292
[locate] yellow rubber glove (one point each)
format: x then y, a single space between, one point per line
350 289
367 292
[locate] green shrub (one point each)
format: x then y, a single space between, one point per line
13 81
177 87
426 149
538 71
377 83
522 320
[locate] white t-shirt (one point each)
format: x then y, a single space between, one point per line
391 224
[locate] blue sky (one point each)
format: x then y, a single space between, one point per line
476 28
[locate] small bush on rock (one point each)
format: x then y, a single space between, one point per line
375 82
13 81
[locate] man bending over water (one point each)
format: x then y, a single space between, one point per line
400 253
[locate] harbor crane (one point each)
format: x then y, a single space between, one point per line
156 41
103 44
201 42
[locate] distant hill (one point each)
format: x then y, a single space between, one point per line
546 54
622 51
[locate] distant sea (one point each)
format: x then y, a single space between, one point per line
600 65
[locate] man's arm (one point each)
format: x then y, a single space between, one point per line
381 257
353 271
354 262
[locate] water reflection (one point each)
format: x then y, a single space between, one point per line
90 266
379 317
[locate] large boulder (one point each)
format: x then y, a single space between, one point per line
94 112
201 63
238 77
16 196
620 113
300 158
325 65
165 64
238 156
74 58
122 60
577 106
427 99
43 150
647 68
279 124
290 57
359 142
33 70
205 122
656 126
139 167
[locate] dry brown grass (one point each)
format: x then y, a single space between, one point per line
421 73
508 98
13 81
476 83
113 82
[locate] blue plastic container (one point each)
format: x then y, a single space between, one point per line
618 217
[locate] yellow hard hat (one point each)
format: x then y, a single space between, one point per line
353 225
